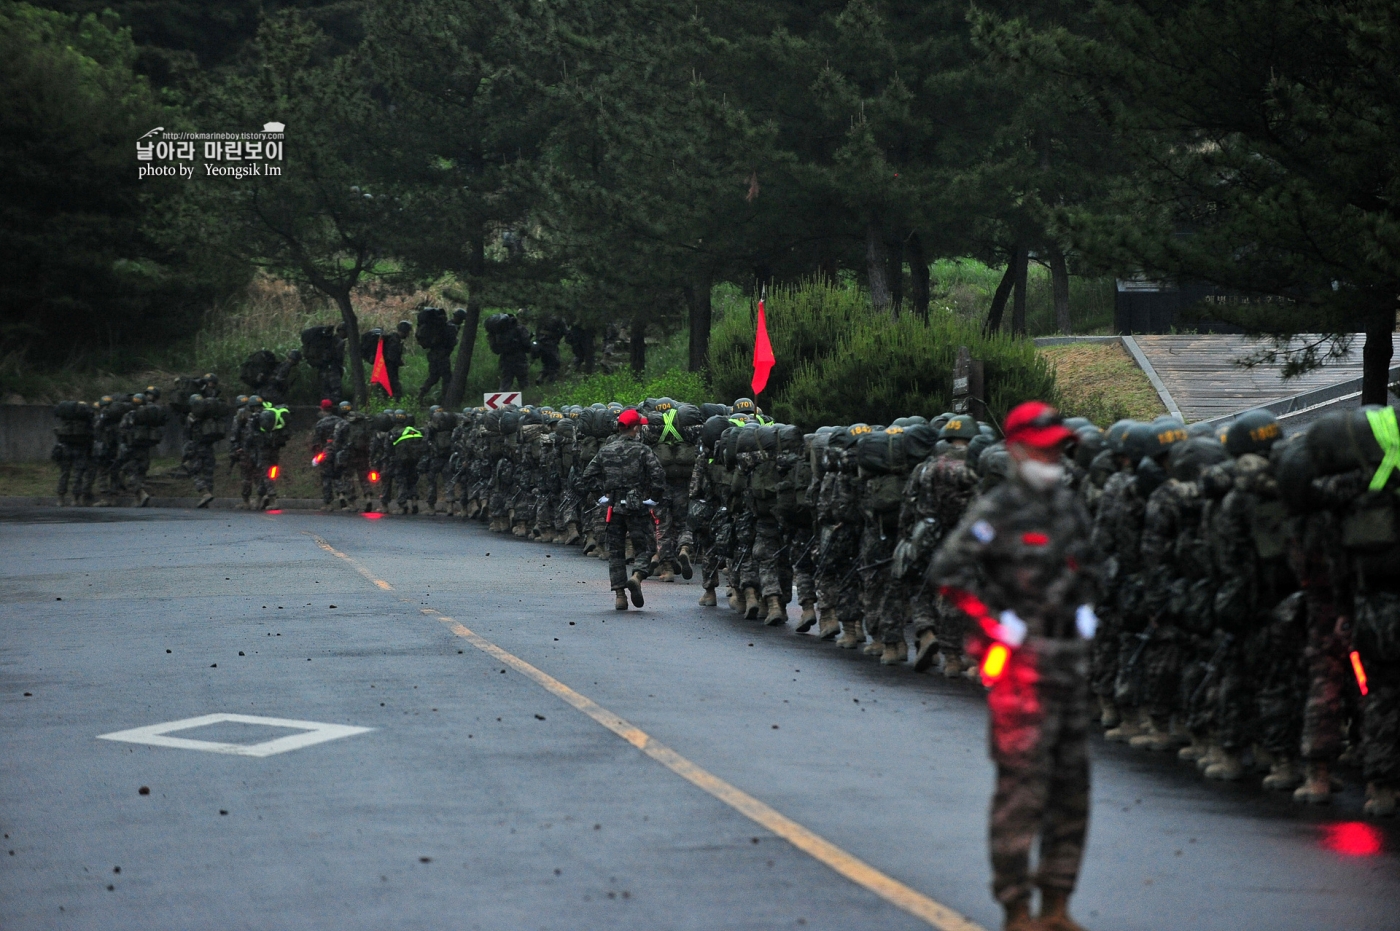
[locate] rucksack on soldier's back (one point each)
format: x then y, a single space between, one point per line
432 330
257 368
317 344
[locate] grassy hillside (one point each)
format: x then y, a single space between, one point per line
1100 381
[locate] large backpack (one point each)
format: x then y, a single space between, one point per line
432 330
318 344
74 422
257 368
272 426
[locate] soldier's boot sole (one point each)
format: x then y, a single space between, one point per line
1380 801
828 628
1284 776
777 613
708 600
927 651
808 619
894 654
142 498
683 560
205 501
634 588
752 605
620 602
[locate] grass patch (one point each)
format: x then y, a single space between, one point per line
1100 381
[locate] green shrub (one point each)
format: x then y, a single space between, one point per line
624 386
840 363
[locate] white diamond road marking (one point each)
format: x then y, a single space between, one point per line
156 735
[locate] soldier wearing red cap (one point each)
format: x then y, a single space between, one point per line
1019 566
626 480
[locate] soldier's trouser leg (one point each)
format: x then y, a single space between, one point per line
952 628
767 541
1039 742
63 455
671 514
643 534
138 463
247 472
331 383
1380 724
408 482
1328 669
1103 653
893 607
84 473
837 584
923 604
1281 676
327 473
202 467
804 562
1234 710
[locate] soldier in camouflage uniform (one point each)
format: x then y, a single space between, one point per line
105 445
407 448
73 450
206 427
706 496
886 612
937 494
1021 565
141 430
327 436
626 478
838 511
442 425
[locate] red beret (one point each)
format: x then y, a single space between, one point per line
325 404
629 418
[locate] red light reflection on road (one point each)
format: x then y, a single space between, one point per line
371 515
1352 839
274 511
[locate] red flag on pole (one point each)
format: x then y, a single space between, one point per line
379 375
763 360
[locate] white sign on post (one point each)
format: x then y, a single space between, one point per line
496 400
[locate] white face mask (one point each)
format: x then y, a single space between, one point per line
1042 476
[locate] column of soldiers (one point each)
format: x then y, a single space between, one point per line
1249 612
107 446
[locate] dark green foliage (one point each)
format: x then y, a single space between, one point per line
839 364
79 272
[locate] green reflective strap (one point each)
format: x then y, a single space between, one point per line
738 422
409 433
1383 425
668 427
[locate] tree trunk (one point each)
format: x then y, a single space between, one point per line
877 262
1018 303
638 346
352 346
1059 280
896 277
993 323
1376 355
918 276
466 342
697 299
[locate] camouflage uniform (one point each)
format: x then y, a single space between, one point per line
1116 540
838 513
627 473
329 433
73 450
939 491
1319 562
1172 513
442 425
1026 551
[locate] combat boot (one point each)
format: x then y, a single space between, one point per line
1380 800
497 525
1227 769
245 505
142 498
1109 718
205 501
809 617
473 508
620 601
102 502
268 503
326 507
752 604
519 529
708 600
735 602
571 534
1317 785
952 666
1214 754
1127 728
852 635
1054 912
63 501
1285 775
1193 751
777 612
873 648
927 650
1018 916
1157 737
894 654
827 626
634 587
665 575
683 560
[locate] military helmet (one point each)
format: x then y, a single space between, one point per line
1089 442
1113 436
1253 432
105 400
434 408
345 407
1138 441
241 400
210 378
1200 428
138 398
1077 423
294 355
962 427
745 406
196 398
152 393
404 326
1187 460
459 315
255 400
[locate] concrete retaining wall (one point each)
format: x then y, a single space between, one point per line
26 431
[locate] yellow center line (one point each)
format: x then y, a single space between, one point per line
809 842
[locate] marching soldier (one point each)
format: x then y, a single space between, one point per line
626 478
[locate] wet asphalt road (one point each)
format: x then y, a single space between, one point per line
481 800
